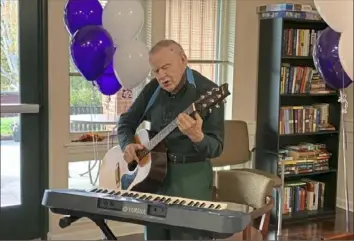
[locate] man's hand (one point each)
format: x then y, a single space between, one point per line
191 127
130 152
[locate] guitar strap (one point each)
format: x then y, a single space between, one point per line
190 79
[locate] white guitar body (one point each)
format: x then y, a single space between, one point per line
116 174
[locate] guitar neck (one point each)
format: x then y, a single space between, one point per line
166 131
209 99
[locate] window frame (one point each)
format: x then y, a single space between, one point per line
34 122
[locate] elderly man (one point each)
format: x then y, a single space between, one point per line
193 143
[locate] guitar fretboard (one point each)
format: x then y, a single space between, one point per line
165 131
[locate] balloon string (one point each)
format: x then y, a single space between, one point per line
94 140
344 108
344 151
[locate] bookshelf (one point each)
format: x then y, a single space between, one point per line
298 118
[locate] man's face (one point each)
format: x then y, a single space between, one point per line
168 67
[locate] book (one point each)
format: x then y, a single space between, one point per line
291 15
285 7
304 119
299 42
302 80
304 158
303 195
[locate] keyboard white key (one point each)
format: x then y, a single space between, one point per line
166 199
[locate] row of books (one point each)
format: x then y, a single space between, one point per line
304 158
291 7
299 42
302 80
303 195
304 119
290 15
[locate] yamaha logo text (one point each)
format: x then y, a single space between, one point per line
141 211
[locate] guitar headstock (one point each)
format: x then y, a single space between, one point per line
212 98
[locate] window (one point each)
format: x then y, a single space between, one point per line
89 109
92 111
23 117
10 94
195 25
206 31
83 174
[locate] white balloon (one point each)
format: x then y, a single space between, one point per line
338 14
345 51
123 19
131 63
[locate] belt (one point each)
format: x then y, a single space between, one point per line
182 159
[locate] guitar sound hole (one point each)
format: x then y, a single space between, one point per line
132 165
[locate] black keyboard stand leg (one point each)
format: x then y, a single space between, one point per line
105 229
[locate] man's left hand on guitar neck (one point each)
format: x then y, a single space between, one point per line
191 127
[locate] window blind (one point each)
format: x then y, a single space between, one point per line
194 24
231 29
148 22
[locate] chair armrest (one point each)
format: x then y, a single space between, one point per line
264 209
265 151
275 178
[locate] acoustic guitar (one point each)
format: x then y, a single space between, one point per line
147 173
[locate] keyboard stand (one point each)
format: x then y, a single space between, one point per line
105 229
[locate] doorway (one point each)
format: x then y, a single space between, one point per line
24 119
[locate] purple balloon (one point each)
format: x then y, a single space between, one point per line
327 61
109 70
108 83
92 51
81 13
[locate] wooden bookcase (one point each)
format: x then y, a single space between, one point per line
271 98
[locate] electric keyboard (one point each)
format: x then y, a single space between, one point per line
216 219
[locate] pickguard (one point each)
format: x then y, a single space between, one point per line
127 179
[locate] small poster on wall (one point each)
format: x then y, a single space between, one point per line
127 94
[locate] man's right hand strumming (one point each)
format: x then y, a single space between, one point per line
130 152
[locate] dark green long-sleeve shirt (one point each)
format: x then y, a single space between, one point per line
166 108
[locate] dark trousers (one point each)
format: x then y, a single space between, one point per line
192 180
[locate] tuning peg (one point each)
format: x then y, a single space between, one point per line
217 89
210 110
217 106
202 96
209 92
224 101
